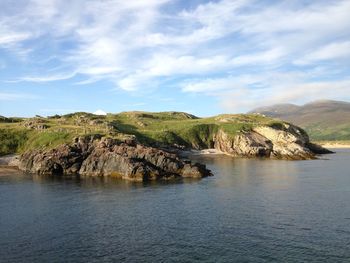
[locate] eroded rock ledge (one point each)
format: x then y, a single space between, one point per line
108 157
283 142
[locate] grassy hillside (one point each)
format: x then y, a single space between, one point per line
158 129
323 120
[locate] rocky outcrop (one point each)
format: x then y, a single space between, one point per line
126 159
108 157
9 160
247 144
35 124
283 142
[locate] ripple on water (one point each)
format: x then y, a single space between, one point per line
250 211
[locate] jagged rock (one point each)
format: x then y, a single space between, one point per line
141 124
284 142
249 144
318 149
95 122
35 124
108 157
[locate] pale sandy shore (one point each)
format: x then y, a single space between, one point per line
335 145
8 165
9 160
206 151
8 170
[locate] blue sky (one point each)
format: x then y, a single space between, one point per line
203 57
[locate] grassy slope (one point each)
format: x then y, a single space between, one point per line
323 120
324 133
163 128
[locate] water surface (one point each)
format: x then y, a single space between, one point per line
250 211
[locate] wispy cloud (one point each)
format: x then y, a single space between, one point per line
47 78
333 51
8 39
222 48
297 92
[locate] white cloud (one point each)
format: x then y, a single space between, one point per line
47 78
265 57
217 84
217 47
244 92
8 39
100 112
336 50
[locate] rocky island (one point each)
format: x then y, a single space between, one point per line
142 146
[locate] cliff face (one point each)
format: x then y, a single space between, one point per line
96 156
107 157
284 142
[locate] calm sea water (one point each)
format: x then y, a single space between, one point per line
251 211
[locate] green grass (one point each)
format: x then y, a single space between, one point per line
11 140
160 128
319 132
46 140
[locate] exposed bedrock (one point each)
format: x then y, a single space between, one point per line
108 157
284 142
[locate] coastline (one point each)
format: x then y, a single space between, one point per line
211 151
6 170
335 144
10 160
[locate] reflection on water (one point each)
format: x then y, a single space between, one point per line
246 171
251 210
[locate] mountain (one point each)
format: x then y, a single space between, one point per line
323 120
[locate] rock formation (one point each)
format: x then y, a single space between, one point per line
127 159
108 157
35 124
284 142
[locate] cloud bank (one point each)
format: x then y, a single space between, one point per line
245 53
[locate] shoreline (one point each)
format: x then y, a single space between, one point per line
211 151
10 160
335 145
6 170
332 146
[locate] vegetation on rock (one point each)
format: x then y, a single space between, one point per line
159 129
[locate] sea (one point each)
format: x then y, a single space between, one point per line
251 210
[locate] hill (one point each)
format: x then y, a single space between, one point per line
150 128
322 120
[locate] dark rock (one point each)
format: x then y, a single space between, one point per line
318 149
93 156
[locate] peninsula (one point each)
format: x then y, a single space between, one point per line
141 146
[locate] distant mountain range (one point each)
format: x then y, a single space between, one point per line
323 120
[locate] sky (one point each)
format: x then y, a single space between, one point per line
202 57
